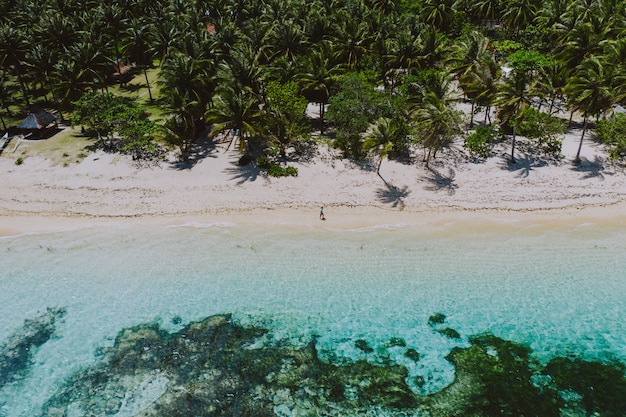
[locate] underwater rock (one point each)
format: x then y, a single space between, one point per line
451 333
219 368
395 341
495 377
601 388
437 318
363 346
412 354
17 351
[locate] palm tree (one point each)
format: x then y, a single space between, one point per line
39 62
590 91
512 100
13 47
615 52
183 78
238 111
351 42
287 39
114 23
437 13
485 9
380 138
518 14
553 80
470 61
55 31
437 122
407 49
318 79
137 39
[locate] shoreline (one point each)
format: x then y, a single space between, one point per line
338 218
111 189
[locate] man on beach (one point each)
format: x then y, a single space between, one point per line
322 213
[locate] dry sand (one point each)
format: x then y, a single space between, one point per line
105 188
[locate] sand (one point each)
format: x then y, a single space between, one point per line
39 196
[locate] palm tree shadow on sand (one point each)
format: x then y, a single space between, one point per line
392 195
243 173
524 165
440 182
591 169
204 147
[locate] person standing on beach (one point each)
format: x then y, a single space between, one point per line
322 213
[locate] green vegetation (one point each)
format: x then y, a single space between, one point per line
479 142
118 123
613 132
274 168
383 70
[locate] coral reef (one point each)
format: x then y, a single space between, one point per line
17 351
217 367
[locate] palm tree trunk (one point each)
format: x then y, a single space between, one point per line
380 162
22 85
145 74
4 126
513 143
552 100
582 138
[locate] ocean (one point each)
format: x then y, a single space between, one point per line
369 295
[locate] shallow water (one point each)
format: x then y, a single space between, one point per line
561 291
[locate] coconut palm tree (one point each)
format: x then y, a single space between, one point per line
485 10
318 78
287 39
352 41
517 14
512 99
380 139
183 77
13 47
437 123
238 111
590 91
135 46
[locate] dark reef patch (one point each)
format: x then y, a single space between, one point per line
216 367
17 351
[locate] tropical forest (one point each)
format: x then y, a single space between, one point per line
370 78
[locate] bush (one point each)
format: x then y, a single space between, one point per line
535 124
612 132
263 162
19 161
544 129
479 142
274 169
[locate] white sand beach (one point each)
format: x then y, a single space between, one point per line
41 196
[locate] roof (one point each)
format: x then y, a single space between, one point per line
38 119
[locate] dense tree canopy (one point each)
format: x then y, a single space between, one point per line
219 61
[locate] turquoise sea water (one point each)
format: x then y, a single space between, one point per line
561 291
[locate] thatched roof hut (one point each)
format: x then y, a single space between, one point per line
39 123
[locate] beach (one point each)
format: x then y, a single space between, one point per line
39 195
98 254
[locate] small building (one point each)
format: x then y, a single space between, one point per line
39 123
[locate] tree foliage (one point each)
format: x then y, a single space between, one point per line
612 131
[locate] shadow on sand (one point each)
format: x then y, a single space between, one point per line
204 147
393 195
524 165
591 169
440 182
